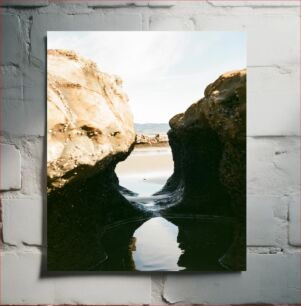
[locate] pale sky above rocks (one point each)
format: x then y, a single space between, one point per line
163 73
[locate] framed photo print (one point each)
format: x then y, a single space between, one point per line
146 151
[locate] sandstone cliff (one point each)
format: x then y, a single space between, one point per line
89 119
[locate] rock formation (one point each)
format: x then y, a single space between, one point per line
158 139
90 129
89 119
208 143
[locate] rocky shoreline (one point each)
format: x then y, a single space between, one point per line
153 140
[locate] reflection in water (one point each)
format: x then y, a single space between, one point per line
160 241
168 244
142 233
156 246
203 241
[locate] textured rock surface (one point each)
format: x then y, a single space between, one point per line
89 119
208 142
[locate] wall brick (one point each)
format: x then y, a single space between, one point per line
22 283
163 23
10 167
24 3
12 45
250 3
294 221
33 166
23 100
161 3
12 100
34 102
273 101
273 165
23 104
126 3
268 279
22 221
116 3
11 84
261 226
269 37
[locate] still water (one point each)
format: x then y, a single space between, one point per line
183 243
161 242
156 247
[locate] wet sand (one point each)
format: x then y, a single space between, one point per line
146 170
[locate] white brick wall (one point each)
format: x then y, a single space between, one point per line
23 219
14 47
24 284
273 204
294 221
270 279
10 167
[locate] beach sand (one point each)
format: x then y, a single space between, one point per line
146 170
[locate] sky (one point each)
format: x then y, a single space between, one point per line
163 73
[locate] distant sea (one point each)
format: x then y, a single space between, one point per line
151 128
